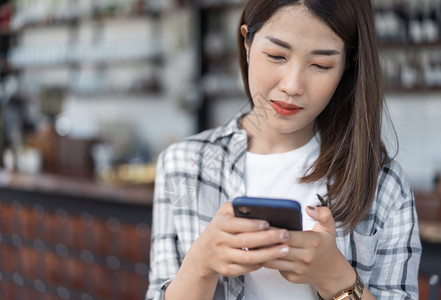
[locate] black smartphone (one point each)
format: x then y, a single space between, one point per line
281 213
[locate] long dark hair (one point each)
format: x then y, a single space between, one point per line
352 152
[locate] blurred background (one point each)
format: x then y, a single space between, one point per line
92 90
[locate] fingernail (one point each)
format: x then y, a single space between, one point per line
284 235
264 225
312 208
284 250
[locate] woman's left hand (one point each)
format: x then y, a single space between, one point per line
314 258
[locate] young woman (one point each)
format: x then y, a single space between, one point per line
311 71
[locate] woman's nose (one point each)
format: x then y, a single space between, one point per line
292 81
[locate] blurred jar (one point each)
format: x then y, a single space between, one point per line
9 159
29 161
103 156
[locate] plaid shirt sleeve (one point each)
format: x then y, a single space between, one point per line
386 253
193 178
164 257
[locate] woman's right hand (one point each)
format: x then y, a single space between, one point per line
220 248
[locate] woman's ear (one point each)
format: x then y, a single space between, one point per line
244 32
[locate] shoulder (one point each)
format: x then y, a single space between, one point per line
208 145
191 143
393 173
186 150
393 194
393 187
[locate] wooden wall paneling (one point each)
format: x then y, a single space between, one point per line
30 224
130 285
76 232
53 268
38 210
62 229
144 231
8 258
7 290
30 293
87 222
102 286
77 274
101 237
114 229
7 219
129 242
31 264
88 260
143 283
56 250
51 232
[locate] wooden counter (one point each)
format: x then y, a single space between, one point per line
65 238
86 188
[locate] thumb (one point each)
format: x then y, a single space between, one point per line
323 216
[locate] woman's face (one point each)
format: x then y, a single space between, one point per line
295 64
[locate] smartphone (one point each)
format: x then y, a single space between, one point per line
281 213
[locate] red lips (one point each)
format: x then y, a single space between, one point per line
284 108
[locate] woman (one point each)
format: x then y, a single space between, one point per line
312 74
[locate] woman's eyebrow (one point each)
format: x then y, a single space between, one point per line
325 52
279 42
286 45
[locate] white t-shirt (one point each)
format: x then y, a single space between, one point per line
277 176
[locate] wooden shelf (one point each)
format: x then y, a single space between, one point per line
78 187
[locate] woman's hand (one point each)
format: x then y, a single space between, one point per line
220 248
219 251
314 258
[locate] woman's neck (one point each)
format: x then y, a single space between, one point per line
262 139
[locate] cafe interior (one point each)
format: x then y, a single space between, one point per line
91 91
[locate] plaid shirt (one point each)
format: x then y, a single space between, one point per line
197 175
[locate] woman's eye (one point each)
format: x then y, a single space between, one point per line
321 67
275 57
